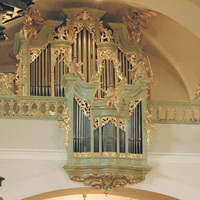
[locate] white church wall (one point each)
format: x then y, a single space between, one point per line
32 157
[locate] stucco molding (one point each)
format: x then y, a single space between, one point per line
61 155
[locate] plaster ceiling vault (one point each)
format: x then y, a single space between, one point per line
173 40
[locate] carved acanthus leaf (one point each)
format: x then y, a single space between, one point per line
106 34
107 182
150 128
35 52
78 27
18 77
132 106
64 32
84 16
6 81
108 54
66 125
84 105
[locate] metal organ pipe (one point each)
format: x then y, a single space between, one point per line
88 59
85 53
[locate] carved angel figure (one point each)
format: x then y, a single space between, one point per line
133 23
31 20
140 70
111 97
75 68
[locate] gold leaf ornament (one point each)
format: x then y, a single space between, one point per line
66 125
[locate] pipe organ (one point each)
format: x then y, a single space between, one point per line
104 80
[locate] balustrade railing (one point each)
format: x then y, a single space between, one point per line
32 107
174 112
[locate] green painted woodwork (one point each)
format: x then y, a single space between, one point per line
166 112
91 164
32 107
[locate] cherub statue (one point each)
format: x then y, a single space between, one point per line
111 97
31 20
141 70
134 22
75 68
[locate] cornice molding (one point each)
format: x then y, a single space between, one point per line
32 154
176 158
61 155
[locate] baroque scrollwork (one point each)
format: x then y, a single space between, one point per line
106 34
108 54
197 93
132 106
35 52
131 57
78 27
84 105
31 20
66 51
122 125
6 81
18 77
134 22
107 182
64 32
149 128
66 125
107 119
84 16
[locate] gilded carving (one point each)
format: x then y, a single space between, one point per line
122 124
18 77
64 32
96 123
66 125
197 93
67 55
136 156
106 34
6 81
107 182
107 119
149 128
111 97
84 105
134 22
75 69
141 70
109 154
108 54
131 57
82 154
35 52
84 16
132 106
31 20
78 27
